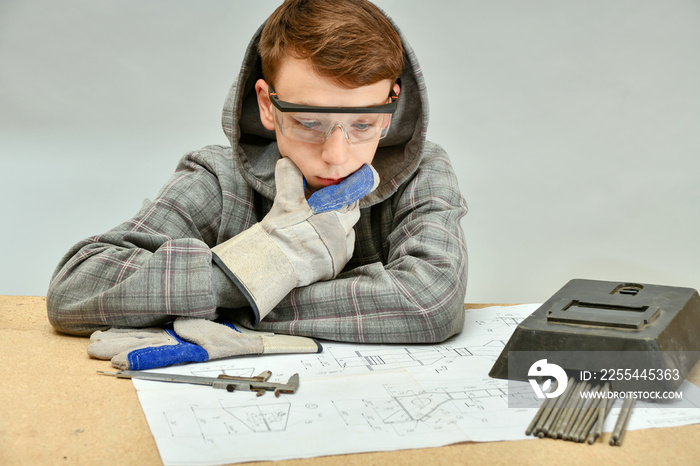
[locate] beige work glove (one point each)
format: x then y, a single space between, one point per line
189 340
295 245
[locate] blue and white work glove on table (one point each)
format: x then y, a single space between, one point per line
299 242
189 340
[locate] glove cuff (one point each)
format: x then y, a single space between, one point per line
275 343
258 267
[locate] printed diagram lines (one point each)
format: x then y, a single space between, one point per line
509 320
261 418
393 358
385 359
228 418
410 410
489 348
488 337
500 324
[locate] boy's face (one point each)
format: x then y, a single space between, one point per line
329 162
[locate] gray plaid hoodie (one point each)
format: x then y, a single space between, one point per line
406 281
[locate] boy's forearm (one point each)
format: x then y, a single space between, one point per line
152 268
102 285
376 304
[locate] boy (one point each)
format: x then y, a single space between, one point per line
326 90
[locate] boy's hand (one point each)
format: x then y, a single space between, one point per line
293 245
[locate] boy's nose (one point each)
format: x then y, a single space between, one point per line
335 148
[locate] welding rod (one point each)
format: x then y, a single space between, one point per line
547 427
536 420
545 415
622 420
537 417
603 410
589 420
586 413
542 415
555 430
570 410
578 410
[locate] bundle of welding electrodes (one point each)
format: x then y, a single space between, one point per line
578 417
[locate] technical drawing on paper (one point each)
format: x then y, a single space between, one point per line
405 409
409 409
389 358
486 341
440 395
501 323
229 417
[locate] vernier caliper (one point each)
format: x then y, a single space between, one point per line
258 384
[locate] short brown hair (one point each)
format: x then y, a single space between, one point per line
349 41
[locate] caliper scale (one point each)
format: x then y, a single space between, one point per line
259 384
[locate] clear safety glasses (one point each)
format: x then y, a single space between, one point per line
316 124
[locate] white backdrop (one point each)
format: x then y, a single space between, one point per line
573 127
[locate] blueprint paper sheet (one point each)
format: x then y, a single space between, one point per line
357 398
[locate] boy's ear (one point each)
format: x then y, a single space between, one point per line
397 88
264 105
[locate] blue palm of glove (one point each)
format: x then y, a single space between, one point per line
159 356
139 349
351 189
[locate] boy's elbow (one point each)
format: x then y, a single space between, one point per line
444 322
64 323
64 316
445 312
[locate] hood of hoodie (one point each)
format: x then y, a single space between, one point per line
255 149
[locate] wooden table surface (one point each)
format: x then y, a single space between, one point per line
56 410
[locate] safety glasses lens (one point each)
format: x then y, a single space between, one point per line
317 127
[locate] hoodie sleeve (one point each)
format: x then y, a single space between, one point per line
150 269
415 294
